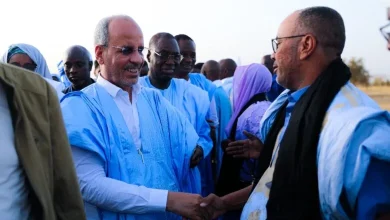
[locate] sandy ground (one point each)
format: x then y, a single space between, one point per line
381 94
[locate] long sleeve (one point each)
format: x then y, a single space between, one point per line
212 114
110 194
374 195
202 126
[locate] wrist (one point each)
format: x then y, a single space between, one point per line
171 200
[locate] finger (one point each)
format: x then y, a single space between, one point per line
236 148
207 200
235 151
241 155
249 135
238 143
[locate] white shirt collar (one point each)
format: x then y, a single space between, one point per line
113 90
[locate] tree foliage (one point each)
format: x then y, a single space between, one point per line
360 75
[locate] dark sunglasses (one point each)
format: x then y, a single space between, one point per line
129 50
28 66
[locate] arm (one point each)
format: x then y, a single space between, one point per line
373 200
217 206
237 200
114 195
68 203
202 126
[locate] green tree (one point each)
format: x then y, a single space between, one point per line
359 73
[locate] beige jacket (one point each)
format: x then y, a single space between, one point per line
42 145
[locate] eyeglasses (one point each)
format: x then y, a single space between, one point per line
275 42
28 66
165 55
129 50
385 33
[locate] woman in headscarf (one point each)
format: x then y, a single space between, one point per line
250 85
28 57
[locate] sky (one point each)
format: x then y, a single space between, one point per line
237 29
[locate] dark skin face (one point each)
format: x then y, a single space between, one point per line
144 69
211 70
162 69
188 50
269 63
77 66
24 61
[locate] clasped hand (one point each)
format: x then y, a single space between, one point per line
194 207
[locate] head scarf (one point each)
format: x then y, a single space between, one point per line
247 82
34 55
13 50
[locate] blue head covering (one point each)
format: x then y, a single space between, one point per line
13 50
34 54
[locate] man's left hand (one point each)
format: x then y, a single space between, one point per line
197 156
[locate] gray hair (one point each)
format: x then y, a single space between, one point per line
327 24
101 36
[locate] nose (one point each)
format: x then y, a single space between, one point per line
170 60
187 59
273 56
73 69
137 58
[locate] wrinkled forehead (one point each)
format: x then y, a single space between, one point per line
289 25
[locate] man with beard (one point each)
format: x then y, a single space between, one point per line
131 148
323 145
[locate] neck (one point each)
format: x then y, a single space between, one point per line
311 72
80 87
185 76
159 84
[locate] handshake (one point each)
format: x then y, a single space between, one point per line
194 207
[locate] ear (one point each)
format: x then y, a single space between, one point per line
148 56
99 54
308 46
90 63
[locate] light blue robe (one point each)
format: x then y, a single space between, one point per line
94 123
193 103
202 82
344 151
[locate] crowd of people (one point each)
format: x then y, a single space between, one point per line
152 134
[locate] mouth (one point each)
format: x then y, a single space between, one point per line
132 71
73 78
168 71
275 68
187 66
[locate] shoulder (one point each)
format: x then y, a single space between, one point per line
25 81
350 97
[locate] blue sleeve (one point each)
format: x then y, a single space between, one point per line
374 196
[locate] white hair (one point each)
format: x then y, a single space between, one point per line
101 30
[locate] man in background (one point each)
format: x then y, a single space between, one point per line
77 66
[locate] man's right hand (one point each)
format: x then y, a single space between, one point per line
214 205
186 205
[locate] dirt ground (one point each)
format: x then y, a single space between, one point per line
381 94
